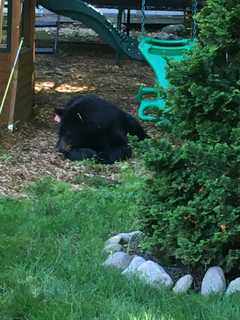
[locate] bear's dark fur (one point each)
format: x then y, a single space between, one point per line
91 127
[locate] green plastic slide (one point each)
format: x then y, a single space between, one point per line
92 18
157 52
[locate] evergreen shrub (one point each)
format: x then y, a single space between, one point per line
190 207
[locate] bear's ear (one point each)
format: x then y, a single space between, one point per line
58 114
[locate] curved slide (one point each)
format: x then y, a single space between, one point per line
92 18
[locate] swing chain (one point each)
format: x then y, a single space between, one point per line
194 12
143 19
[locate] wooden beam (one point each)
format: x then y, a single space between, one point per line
28 17
17 10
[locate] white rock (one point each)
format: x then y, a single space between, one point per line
131 236
112 248
183 284
154 274
133 266
135 239
113 240
119 260
124 237
234 286
213 281
131 239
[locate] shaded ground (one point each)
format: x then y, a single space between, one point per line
28 153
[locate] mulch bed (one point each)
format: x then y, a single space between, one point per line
29 153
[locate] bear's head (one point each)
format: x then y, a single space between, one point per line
75 128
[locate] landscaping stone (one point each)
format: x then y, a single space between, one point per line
119 260
213 281
233 287
154 274
133 266
126 238
113 240
134 239
112 248
183 284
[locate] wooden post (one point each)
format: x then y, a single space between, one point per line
1 19
19 100
119 19
14 88
17 24
128 20
23 85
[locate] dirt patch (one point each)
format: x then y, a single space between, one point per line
28 153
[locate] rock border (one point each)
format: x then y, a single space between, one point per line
118 247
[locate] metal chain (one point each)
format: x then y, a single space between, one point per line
143 19
194 24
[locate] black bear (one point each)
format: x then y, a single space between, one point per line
91 127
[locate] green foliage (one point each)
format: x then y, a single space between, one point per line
205 93
51 262
191 206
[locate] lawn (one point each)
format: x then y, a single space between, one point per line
51 254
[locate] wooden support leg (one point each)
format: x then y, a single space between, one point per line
128 21
119 19
57 35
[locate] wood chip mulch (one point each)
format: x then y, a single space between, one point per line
29 153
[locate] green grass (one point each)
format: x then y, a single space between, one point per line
50 260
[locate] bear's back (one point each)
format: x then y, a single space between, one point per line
94 109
